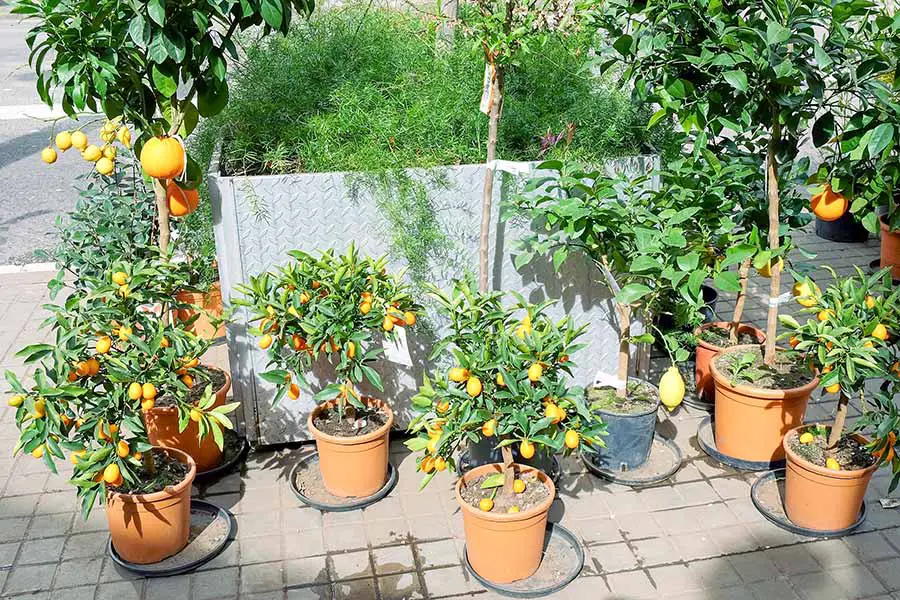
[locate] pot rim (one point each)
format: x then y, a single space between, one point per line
169 492
823 471
634 415
505 517
753 391
742 327
351 441
225 386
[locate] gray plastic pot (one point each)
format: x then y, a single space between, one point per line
484 452
629 438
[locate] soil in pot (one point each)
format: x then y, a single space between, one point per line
721 338
365 420
535 493
849 452
168 472
204 376
748 368
641 397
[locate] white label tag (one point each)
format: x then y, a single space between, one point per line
487 89
397 350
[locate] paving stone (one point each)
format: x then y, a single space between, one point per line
694 546
40 551
715 573
8 554
870 546
831 553
12 530
85 592
358 589
18 506
228 557
339 538
776 588
421 505
316 592
46 526
82 571
600 530
816 586
120 590
167 588
262 577
793 560
637 526
753 566
350 565
429 528
671 578
306 571
733 539
299 545
85 545
297 519
384 532
654 551
631 585
402 586
258 524
261 549
614 557
29 579
450 580
393 559
856 579
697 492
729 488
438 554
386 508
220 583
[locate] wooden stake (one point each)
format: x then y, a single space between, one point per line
624 313
839 418
774 241
743 273
493 126
509 472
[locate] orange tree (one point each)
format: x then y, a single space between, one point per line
848 340
327 306
113 357
130 59
509 383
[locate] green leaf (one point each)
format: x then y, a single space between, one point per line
881 137
157 11
688 262
493 481
139 30
776 33
166 85
632 292
271 11
727 281
736 79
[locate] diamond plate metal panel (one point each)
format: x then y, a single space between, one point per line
258 219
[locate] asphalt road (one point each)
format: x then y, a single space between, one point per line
34 193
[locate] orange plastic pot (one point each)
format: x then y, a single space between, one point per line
751 422
353 467
890 249
822 499
208 306
706 388
147 528
503 547
162 430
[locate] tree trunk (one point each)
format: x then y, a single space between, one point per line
509 471
839 418
493 126
774 241
743 273
624 313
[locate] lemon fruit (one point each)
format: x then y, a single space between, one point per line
766 269
671 388
807 438
63 140
805 293
92 153
48 155
832 464
79 140
486 504
105 166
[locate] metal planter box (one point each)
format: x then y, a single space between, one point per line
258 219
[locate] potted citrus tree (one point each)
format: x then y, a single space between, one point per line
508 385
112 359
640 241
338 309
848 340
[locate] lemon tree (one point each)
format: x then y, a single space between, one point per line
750 79
850 338
510 383
113 357
648 246
334 307
155 64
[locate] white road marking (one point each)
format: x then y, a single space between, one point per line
29 111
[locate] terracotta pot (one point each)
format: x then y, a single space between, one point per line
162 429
706 388
209 306
890 249
503 547
819 498
353 467
750 421
146 528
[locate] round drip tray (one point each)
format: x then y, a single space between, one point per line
234 451
663 462
707 440
212 528
306 483
562 561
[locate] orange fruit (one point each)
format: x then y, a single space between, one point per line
794 341
440 463
162 157
39 409
122 449
889 447
829 205
535 372
500 381
427 464
16 401
387 324
526 449
93 366
148 391
880 332
48 155
833 388
486 504
473 386
135 391
148 404
196 415
410 318
82 369
552 412
104 343
512 510
351 350
572 439
304 298
187 380
182 202
265 341
870 302
365 306
111 473
77 455
458 374
293 391
298 342
489 427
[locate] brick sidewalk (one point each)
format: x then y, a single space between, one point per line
696 537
